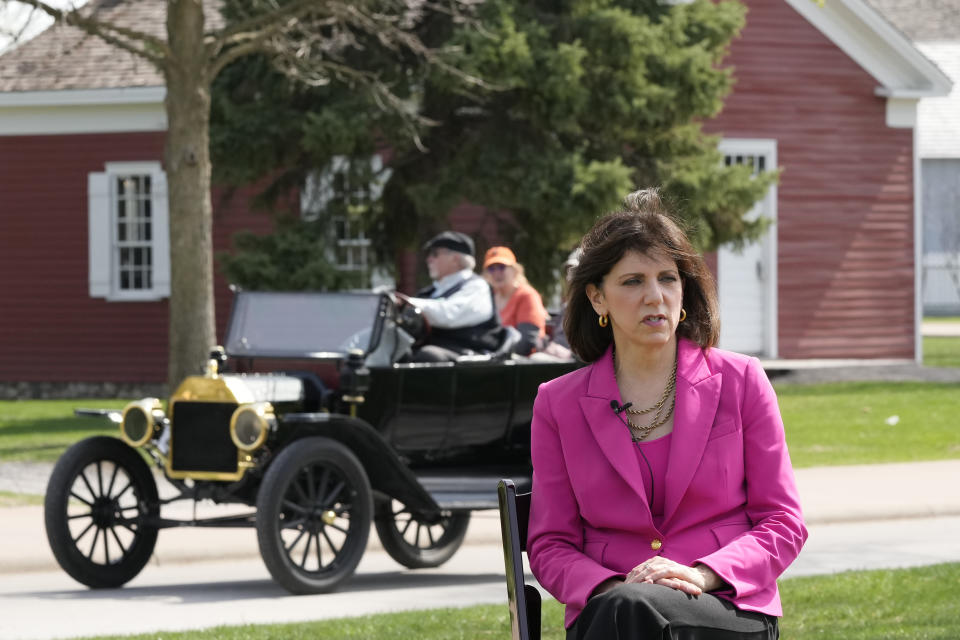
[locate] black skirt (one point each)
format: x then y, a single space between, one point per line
654 612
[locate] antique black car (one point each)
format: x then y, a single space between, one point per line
339 436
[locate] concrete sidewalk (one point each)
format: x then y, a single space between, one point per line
829 495
941 329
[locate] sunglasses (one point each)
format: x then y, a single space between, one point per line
495 267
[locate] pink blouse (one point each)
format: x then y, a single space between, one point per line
654 471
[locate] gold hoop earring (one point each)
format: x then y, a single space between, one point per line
603 320
683 314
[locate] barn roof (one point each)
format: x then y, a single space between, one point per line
66 57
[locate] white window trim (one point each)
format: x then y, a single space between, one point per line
102 233
766 147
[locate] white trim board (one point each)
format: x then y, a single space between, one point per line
53 120
74 97
901 113
873 43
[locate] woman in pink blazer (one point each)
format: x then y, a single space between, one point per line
664 502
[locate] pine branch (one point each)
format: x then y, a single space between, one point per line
385 99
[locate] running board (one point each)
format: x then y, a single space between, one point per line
459 491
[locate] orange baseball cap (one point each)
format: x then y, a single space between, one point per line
499 255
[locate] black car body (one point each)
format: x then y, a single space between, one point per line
338 436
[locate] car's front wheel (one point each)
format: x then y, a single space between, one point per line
313 515
417 541
101 498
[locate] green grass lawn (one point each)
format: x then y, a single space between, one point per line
841 423
944 319
941 351
910 604
40 430
847 423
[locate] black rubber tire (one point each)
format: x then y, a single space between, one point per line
314 495
101 485
416 542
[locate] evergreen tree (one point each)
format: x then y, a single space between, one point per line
582 101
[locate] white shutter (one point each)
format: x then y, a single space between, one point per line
99 241
161 235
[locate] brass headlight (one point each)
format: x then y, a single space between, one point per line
139 421
250 425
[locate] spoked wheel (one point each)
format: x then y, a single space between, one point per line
313 515
416 541
99 497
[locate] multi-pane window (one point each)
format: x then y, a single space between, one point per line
129 242
134 233
349 247
758 162
352 245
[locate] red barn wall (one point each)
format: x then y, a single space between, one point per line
845 197
51 330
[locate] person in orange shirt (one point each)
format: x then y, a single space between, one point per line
519 304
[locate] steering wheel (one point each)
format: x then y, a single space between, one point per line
410 318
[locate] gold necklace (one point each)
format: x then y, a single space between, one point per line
660 417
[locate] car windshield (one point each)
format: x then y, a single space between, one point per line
300 324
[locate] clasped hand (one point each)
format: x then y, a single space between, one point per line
659 570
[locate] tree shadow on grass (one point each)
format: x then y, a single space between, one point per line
9 452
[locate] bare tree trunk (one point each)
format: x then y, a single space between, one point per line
187 157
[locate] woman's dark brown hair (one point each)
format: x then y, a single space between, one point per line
643 225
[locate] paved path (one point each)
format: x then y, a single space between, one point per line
830 495
177 596
941 329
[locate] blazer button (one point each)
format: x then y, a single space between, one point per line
656 543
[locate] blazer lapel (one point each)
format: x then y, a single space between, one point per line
698 395
607 427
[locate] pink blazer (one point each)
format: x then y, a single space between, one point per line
731 502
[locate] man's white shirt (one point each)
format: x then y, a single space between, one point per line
469 306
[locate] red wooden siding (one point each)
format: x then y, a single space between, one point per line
845 198
51 330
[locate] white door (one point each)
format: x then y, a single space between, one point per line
747 278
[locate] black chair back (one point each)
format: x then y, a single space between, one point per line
523 599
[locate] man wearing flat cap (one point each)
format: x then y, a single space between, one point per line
459 305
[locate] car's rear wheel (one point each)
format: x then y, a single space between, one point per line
313 515
100 499
417 541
